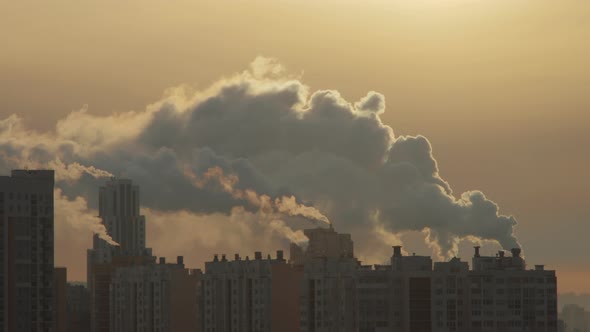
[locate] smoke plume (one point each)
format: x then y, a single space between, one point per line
263 141
285 204
267 209
76 214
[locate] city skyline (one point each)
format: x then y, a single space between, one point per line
78 171
321 287
432 125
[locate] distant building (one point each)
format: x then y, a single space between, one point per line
328 290
507 297
575 318
155 297
251 295
450 303
78 307
100 288
119 210
60 285
26 251
412 295
374 296
118 207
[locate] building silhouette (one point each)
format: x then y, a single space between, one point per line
259 294
322 287
575 318
328 291
26 251
127 289
78 307
60 290
411 294
118 207
155 297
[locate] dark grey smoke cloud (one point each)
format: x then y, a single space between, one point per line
278 139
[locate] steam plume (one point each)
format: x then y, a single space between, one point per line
269 207
264 138
76 213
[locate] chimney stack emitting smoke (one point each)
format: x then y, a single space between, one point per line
476 251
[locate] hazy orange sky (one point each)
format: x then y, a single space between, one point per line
500 88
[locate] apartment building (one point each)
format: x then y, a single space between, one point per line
118 207
155 297
257 295
26 251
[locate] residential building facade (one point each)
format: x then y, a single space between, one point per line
258 295
26 251
155 297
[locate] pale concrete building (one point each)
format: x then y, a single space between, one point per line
155 297
411 294
26 251
328 291
257 295
505 296
499 295
450 296
374 298
119 209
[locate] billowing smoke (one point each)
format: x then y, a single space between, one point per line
76 214
270 139
285 204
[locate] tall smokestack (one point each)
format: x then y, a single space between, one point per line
397 251
476 251
180 260
257 255
280 254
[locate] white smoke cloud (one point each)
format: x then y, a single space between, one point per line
75 214
281 205
199 236
282 142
